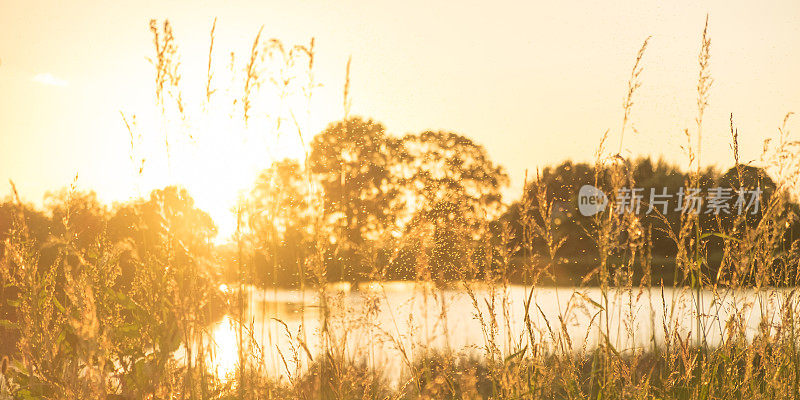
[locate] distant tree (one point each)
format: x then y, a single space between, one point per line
80 213
169 272
353 161
749 180
280 219
453 192
563 182
377 186
447 168
655 178
36 222
167 225
279 203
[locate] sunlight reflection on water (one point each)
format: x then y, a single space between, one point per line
381 321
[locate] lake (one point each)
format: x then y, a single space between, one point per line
379 322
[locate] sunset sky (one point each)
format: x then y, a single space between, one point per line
535 82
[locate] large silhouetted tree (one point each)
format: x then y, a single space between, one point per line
448 171
353 163
455 192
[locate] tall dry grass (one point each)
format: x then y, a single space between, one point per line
86 339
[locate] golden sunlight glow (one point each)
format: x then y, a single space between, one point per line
215 154
224 357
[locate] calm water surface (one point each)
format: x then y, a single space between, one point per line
379 322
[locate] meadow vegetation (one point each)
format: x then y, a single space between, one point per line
116 302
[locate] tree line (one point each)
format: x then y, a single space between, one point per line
365 205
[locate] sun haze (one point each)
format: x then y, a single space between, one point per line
312 199
534 83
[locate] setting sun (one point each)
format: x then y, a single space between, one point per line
215 143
